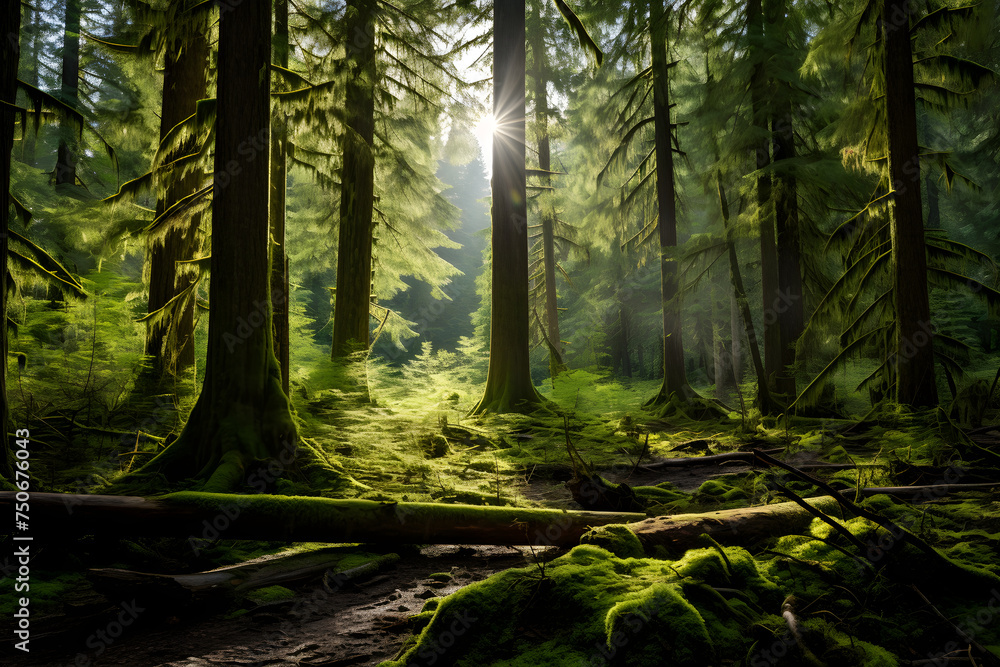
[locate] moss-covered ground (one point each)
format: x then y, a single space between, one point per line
715 605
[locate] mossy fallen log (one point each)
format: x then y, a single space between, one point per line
206 517
925 492
738 527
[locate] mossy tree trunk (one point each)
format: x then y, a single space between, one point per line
674 374
65 170
508 382
914 354
242 416
280 294
9 55
170 340
539 72
351 316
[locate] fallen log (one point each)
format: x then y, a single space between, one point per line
713 459
929 491
206 517
203 518
282 569
736 527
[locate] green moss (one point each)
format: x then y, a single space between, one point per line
719 490
838 648
440 576
271 594
47 591
663 497
838 454
616 538
633 611
658 626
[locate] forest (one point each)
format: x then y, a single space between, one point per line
500 333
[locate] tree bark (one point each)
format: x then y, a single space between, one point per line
540 75
280 293
674 374
791 304
790 307
242 416
9 56
508 381
770 293
351 315
170 341
65 170
913 357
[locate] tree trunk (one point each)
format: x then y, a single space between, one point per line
205 517
764 401
674 374
170 341
790 308
736 331
508 382
548 214
725 379
280 294
9 55
33 33
914 355
351 315
65 171
242 416
759 95
625 339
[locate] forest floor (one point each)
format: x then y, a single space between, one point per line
425 449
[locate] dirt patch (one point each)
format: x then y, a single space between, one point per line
361 624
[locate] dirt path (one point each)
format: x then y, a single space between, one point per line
361 624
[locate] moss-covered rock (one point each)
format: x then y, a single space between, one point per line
616 538
719 490
590 607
